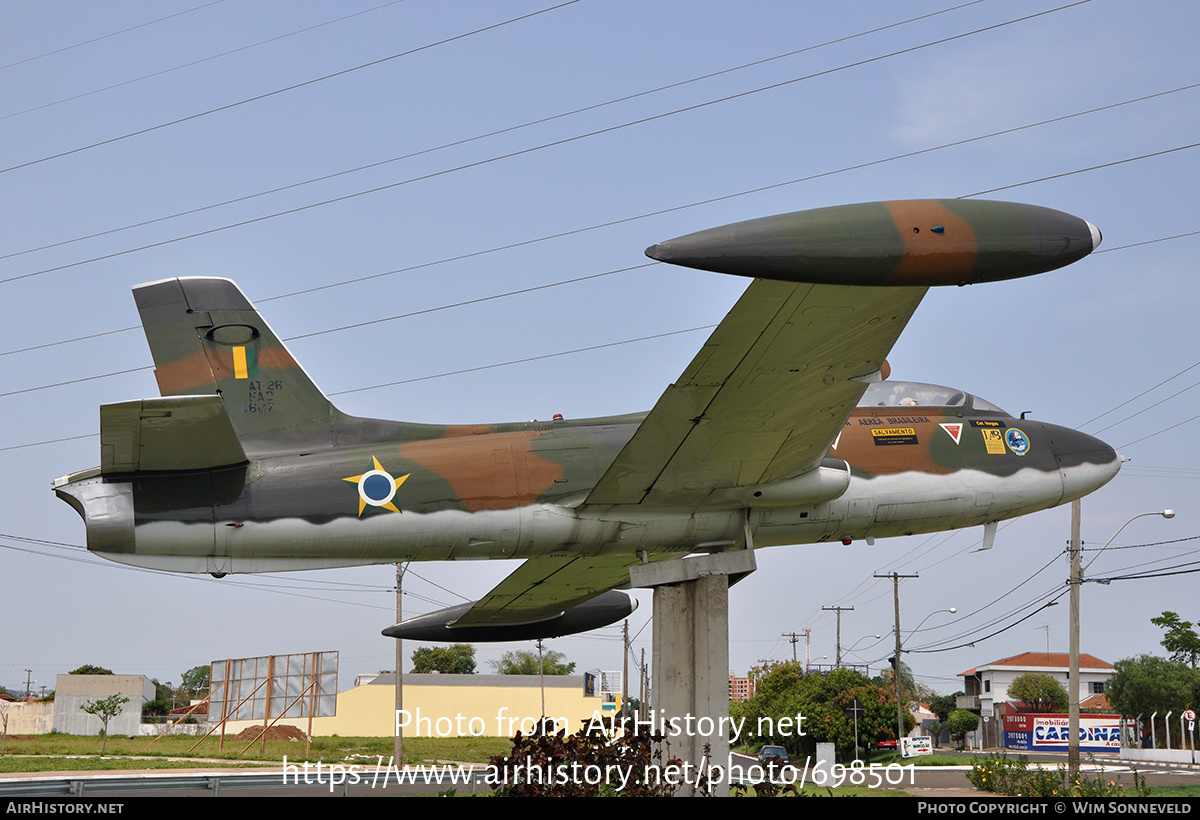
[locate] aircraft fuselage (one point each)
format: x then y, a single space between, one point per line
511 491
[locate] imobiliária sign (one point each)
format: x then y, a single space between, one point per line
1028 732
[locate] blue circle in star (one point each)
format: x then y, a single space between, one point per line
378 488
1017 441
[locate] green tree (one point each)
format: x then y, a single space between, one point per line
158 708
88 669
524 662
943 705
1042 692
194 682
162 692
106 709
785 692
1180 639
456 659
1148 684
961 723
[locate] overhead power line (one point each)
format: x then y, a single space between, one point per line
508 155
292 87
107 36
477 137
202 60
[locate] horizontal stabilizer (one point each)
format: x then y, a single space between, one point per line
167 434
602 610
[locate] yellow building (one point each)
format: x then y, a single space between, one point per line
454 706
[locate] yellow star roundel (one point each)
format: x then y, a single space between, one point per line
377 488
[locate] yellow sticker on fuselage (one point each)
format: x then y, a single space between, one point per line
993 440
894 435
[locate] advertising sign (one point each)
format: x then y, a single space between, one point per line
916 746
1026 732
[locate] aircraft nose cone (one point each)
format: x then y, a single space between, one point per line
661 252
1085 462
1097 237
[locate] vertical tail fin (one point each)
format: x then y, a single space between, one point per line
206 338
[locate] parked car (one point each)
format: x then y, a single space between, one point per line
886 745
772 756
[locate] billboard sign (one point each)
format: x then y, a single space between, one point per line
1049 733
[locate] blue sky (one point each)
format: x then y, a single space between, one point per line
460 216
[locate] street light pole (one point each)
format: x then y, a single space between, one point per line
1075 582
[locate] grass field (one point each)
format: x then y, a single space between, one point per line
32 753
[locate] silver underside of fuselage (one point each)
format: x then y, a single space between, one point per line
901 504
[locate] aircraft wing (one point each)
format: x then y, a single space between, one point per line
543 588
765 397
542 598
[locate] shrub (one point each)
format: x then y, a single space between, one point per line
1001 774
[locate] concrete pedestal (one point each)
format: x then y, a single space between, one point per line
691 655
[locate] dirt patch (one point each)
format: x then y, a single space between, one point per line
273 733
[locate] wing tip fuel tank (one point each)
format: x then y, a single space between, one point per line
602 610
915 243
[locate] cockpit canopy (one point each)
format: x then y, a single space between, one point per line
917 394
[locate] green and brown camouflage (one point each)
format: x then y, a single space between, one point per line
919 242
782 430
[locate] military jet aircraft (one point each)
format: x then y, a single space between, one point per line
782 430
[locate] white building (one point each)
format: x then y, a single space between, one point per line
986 686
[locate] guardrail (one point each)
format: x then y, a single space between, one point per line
100 785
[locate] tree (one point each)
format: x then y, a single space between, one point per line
1148 684
194 682
88 669
524 662
162 692
785 692
4 723
1042 692
961 723
456 659
105 709
943 705
1180 639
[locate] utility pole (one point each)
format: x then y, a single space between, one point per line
791 636
644 701
839 610
398 743
1073 674
625 668
896 668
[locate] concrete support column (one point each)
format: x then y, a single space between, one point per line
691 654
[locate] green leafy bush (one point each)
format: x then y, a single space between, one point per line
1001 774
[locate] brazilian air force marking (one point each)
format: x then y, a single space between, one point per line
377 488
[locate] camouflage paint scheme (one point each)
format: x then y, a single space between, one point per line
781 431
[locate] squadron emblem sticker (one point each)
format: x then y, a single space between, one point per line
953 430
993 440
1016 441
377 488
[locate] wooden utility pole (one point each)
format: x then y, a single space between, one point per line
839 610
896 667
398 743
625 668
